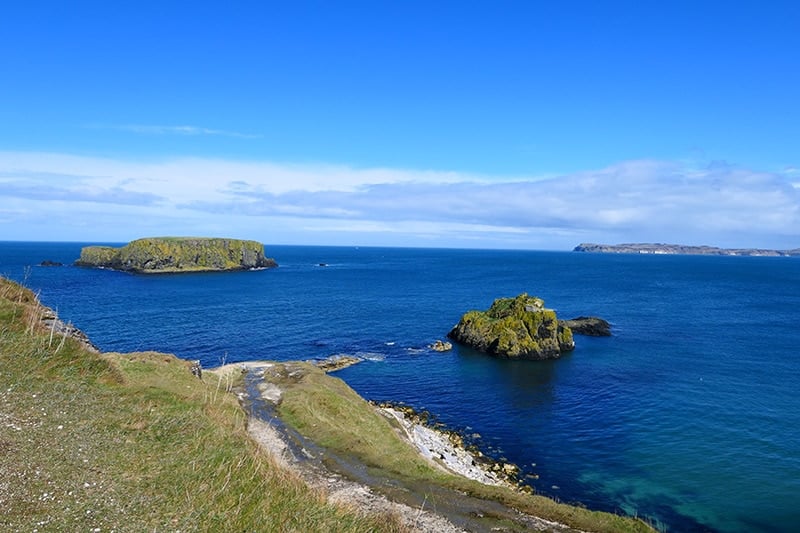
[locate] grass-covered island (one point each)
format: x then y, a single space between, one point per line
515 328
95 441
156 255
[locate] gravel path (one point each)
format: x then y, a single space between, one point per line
437 446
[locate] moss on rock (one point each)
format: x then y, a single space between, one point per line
516 328
178 254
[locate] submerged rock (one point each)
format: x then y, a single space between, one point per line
441 346
515 328
178 254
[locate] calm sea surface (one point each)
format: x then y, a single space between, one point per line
689 415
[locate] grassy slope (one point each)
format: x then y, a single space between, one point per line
131 443
333 415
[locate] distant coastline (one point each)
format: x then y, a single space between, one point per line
682 249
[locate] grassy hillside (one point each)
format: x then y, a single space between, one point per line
133 442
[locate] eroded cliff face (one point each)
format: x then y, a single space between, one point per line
178 254
516 328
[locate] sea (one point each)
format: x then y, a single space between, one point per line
688 416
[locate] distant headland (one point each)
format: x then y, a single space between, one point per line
157 255
658 248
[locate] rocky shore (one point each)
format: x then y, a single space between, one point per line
447 449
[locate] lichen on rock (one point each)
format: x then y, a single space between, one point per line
178 254
515 328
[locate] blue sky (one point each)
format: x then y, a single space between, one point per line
532 125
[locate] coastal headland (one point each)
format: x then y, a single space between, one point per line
134 441
682 249
165 255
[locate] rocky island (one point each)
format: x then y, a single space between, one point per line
158 255
664 249
515 328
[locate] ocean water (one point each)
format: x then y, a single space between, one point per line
688 416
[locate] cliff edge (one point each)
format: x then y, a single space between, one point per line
178 254
515 328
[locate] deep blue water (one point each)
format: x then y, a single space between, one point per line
687 416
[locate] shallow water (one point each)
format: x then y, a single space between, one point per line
686 416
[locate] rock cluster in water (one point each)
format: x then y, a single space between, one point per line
515 328
591 326
178 254
440 346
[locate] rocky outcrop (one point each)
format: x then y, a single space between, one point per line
37 315
50 263
588 325
666 249
52 322
337 362
441 346
515 328
178 254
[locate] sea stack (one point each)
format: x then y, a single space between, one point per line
515 328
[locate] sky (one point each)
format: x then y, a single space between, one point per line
520 125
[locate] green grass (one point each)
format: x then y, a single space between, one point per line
133 442
328 411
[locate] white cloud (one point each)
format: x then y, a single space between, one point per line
631 201
175 130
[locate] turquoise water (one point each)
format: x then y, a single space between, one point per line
687 416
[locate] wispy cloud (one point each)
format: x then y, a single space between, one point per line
630 196
52 186
632 201
145 129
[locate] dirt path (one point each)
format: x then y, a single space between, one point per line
340 490
347 482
